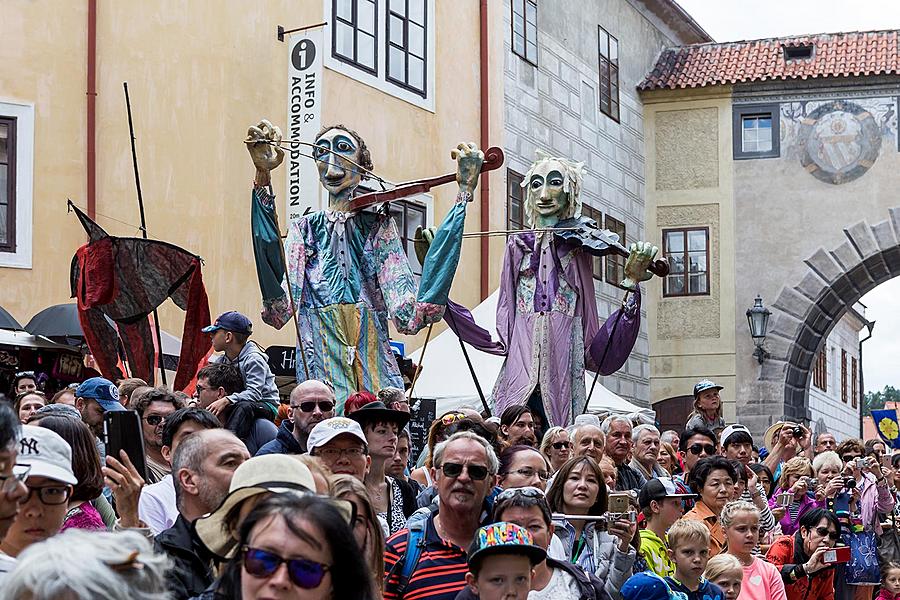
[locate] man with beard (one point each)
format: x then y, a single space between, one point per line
312 402
153 407
93 398
12 487
517 426
202 469
618 449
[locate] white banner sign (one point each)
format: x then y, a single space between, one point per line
306 53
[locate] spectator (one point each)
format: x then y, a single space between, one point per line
341 445
890 581
618 448
64 396
523 466
28 403
825 442
762 581
24 381
725 571
588 440
517 426
153 407
12 476
765 478
464 469
368 527
399 463
202 469
556 446
784 441
48 459
799 557
259 398
668 460
82 514
713 480
610 474
737 445
695 444
128 386
646 452
282 528
80 565
394 398
312 402
578 489
217 381
94 397
661 505
792 493
670 436
707 412
157 507
501 563
437 433
689 549
356 401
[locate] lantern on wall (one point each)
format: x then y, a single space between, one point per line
758 320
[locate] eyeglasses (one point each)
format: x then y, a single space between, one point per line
8 483
51 495
262 564
154 420
336 453
696 449
531 472
476 472
561 445
525 492
452 418
831 533
307 407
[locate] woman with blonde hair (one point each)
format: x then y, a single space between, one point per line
795 492
668 458
367 528
556 446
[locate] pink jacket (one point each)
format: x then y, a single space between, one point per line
874 499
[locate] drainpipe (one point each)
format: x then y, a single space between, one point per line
862 382
92 109
485 143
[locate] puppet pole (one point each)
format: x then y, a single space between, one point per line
290 294
587 402
412 386
140 197
471 368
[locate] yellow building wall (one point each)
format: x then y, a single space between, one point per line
199 74
689 183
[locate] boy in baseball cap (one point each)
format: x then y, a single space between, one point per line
501 563
93 398
707 407
661 504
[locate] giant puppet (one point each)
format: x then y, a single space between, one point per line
347 271
547 320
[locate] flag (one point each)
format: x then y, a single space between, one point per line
888 427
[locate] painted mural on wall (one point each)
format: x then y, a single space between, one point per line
837 141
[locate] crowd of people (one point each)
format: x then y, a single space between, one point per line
246 496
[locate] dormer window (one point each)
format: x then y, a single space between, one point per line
802 52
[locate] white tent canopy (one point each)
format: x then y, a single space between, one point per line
446 378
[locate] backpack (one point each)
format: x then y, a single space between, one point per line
415 545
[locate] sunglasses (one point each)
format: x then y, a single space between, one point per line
306 574
308 407
452 418
696 449
476 472
25 374
154 420
823 531
561 445
525 492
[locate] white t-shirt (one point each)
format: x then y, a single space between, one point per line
156 506
7 564
562 586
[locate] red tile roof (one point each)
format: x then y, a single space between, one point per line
834 54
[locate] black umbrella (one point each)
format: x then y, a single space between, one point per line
59 321
7 321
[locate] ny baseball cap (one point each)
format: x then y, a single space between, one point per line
731 429
102 390
231 321
659 488
704 385
47 454
504 538
329 429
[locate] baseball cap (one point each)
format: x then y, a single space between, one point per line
736 428
46 453
504 538
704 385
329 429
102 390
231 321
646 586
659 488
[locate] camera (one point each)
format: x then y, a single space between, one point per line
785 499
849 483
798 431
602 524
811 483
619 502
860 463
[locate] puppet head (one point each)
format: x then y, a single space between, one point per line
339 176
552 190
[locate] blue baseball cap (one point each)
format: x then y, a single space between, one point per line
102 390
231 321
704 385
646 586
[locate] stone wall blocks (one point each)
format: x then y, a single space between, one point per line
861 279
846 256
860 235
785 325
778 346
831 304
884 235
824 264
793 303
819 322
773 370
845 289
877 268
812 286
895 220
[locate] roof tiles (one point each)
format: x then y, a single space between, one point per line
833 55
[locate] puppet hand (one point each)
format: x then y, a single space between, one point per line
468 165
423 239
260 144
641 254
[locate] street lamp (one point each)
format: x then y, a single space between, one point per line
758 320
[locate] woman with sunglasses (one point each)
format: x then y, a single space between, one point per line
799 557
295 547
523 466
556 447
761 580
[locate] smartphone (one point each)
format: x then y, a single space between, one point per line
838 554
122 431
886 460
785 499
619 502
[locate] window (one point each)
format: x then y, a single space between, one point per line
609 74
597 263
854 377
7 184
820 371
406 44
756 131
409 215
524 29
515 201
803 52
615 264
844 376
687 251
354 36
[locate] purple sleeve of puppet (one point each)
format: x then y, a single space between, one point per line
590 324
612 345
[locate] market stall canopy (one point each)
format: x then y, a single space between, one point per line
446 378
23 339
7 321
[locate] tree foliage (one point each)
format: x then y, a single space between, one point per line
877 400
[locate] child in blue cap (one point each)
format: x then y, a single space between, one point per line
501 563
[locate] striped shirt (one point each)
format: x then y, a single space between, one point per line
439 575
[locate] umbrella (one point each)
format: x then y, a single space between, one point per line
7 321
58 321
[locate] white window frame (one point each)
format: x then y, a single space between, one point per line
24 115
379 81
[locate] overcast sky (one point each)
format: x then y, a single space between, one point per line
730 20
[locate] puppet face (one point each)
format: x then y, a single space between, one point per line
547 197
338 175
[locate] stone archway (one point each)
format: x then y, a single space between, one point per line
804 314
